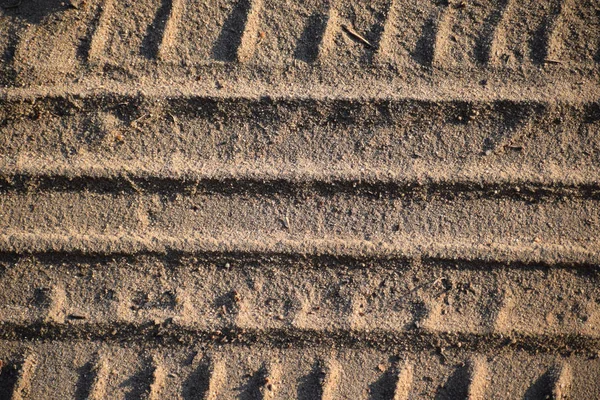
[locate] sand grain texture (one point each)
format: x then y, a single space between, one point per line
277 199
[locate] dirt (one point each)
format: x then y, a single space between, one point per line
268 199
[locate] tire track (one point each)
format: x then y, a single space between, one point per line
548 232
452 374
239 34
97 386
22 389
217 374
262 199
171 29
478 377
475 150
158 381
257 185
447 36
575 256
418 340
510 47
101 30
562 380
390 297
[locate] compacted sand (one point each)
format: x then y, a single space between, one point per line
391 199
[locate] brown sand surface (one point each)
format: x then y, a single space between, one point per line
279 199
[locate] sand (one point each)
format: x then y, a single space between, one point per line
249 199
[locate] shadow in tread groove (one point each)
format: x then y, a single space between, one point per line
139 383
8 74
483 45
311 385
83 388
309 42
33 11
394 384
252 390
457 385
554 384
230 39
424 49
540 41
93 47
22 387
154 34
197 385
206 381
541 388
383 388
8 380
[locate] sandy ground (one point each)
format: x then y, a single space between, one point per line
249 199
